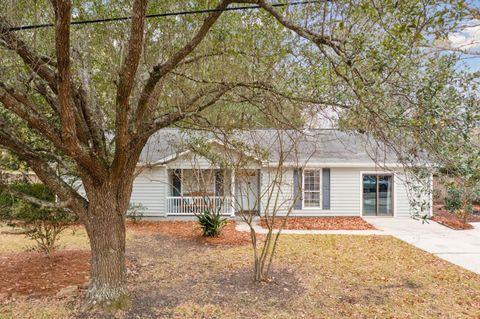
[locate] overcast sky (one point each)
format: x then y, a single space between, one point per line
469 40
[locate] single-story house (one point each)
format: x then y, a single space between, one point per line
314 173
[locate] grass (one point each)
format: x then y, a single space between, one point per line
321 276
72 238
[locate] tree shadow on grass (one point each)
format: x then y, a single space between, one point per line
189 281
380 295
234 289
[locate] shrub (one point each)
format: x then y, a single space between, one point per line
135 212
43 224
211 223
454 200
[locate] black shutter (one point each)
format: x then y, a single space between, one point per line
326 188
297 188
176 182
219 178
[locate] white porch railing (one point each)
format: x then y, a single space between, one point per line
188 205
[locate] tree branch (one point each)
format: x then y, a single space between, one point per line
161 69
43 170
27 110
68 116
39 64
127 76
62 49
40 202
188 109
319 39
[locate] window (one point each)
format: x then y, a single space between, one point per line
311 188
198 182
377 195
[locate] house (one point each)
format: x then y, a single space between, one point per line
322 172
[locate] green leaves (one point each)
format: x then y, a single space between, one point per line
211 223
44 224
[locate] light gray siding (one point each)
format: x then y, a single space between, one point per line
150 190
346 194
345 190
281 197
411 194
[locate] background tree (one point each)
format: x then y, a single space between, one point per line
81 102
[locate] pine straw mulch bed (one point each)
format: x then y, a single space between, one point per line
189 230
443 217
35 274
452 223
321 223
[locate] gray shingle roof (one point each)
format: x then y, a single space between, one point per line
314 146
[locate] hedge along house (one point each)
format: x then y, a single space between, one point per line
322 173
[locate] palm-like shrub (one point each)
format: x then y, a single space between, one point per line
211 223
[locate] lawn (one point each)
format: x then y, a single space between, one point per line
315 276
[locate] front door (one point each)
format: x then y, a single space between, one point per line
246 191
377 196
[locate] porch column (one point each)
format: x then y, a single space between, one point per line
232 193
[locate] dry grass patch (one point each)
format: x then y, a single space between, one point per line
314 276
327 276
74 237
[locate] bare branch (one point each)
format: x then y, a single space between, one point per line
319 39
43 90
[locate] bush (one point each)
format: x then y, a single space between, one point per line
211 223
135 212
453 200
43 224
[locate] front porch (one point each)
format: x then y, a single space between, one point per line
193 191
193 205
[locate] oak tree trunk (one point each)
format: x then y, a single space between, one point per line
106 231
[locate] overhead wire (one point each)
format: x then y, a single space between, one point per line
159 15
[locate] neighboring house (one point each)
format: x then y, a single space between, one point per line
323 173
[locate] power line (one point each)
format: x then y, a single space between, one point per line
159 15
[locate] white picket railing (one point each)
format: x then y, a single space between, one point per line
188 205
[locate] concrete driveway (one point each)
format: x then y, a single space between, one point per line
460 247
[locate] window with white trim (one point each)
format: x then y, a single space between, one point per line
311 188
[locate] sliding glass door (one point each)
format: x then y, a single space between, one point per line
377 195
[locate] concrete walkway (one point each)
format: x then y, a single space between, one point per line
460 247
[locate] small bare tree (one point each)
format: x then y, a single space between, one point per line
273 195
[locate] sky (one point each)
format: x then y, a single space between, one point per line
468 40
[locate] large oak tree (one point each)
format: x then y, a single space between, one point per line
81 102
